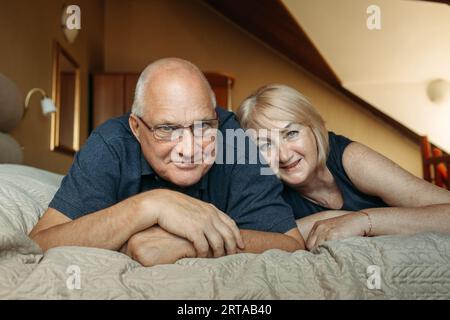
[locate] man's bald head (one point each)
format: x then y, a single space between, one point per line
165 72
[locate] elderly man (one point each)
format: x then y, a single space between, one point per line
136 185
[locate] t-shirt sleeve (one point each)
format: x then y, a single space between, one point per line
92 181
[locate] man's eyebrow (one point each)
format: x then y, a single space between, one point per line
173 123
288 125
165 122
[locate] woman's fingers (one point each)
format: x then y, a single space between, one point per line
312 237
321 238
311 241
318 235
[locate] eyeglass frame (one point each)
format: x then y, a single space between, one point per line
177 127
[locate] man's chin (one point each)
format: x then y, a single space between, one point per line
186 178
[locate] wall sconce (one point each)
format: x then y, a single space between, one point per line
438 91
47 104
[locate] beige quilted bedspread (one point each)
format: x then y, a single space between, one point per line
390 267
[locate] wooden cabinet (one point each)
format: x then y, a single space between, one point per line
221 85
112 96
130 85
113 93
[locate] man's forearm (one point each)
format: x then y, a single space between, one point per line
259 241
109 228
157 246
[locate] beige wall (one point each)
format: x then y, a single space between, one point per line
27 31
390 67
138 32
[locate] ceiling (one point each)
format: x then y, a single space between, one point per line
389 68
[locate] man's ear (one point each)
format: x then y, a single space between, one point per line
134 126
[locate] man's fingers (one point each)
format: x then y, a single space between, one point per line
200 244
227 235
234 229
215 241
187 252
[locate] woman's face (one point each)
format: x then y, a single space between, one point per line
290 149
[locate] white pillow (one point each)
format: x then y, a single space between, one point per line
25 193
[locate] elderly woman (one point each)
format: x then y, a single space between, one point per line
337 188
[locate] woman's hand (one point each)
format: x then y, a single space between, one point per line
349 225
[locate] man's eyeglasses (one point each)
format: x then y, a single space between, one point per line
168 132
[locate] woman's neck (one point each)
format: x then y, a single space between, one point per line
319 187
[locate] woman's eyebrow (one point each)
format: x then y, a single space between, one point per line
286 128
262 139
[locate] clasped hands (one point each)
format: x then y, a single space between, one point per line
186 227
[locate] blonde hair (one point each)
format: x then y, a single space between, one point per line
283 103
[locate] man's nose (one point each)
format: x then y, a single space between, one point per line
187 147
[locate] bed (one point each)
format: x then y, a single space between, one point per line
388 267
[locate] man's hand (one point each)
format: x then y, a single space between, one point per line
157 246
349 225
199 222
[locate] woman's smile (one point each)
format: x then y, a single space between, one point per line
290 167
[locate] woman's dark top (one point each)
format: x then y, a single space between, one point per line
354 200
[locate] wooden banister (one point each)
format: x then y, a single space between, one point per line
436 164
437 160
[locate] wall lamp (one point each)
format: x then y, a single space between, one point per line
438 91
47 104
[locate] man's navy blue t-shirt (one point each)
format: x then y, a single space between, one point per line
111 167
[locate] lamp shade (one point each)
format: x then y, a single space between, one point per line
47 106
438 91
